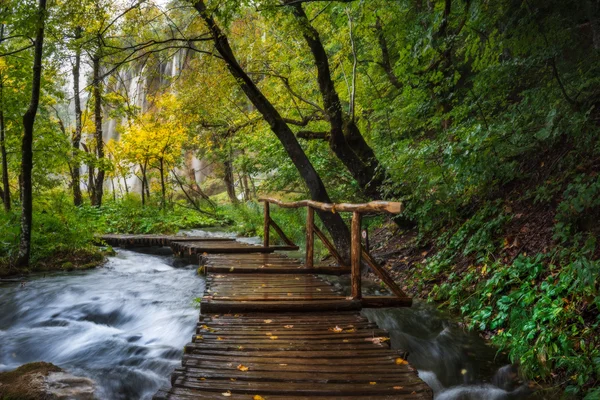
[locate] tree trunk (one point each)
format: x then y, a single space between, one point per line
345 139
191 173
91 186
5 185
97 89
125 183
27 144
143 170
246 186
162 184
78 125
333 222
228 178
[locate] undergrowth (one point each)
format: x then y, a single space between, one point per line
541 306
64 236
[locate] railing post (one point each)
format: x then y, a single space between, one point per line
355 255
267 225
310 236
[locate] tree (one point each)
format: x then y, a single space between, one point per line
27 143
333 222
155 140
345 139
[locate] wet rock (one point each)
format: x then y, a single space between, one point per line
44 381
63 386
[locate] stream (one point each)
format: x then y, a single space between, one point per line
124 326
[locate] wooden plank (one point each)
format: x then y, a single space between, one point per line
280 270
383 275
310 237
267 220
281 234
373 206
355 255
330 247
218 306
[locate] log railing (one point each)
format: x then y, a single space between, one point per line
358 254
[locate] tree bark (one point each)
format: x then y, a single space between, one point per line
77 200
228 179
345 139
27 144
386 62
162 183
97 89
143 170
5 184
333 222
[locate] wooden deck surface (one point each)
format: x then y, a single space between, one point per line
190 245
272 329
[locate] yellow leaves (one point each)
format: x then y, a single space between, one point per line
269 333
398 387
401 361
198 337
242 368
207 328
288 326
378 340
268 321
372 383
220 338
226 394
257 397
273 337
336 329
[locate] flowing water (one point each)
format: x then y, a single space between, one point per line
125 324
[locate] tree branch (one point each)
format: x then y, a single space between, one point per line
311 135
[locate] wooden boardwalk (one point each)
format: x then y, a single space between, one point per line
272 329
190 245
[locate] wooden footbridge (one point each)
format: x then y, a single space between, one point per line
272 328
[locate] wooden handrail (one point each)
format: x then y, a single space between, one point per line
358 252
373 206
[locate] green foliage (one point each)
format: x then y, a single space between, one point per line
64 235
128 216
542 309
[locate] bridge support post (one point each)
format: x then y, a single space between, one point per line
310 236
267 224
355 255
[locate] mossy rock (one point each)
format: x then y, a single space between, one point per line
26 382
67 266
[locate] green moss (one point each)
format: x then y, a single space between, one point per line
20 384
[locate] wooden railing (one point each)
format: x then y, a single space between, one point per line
358 253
